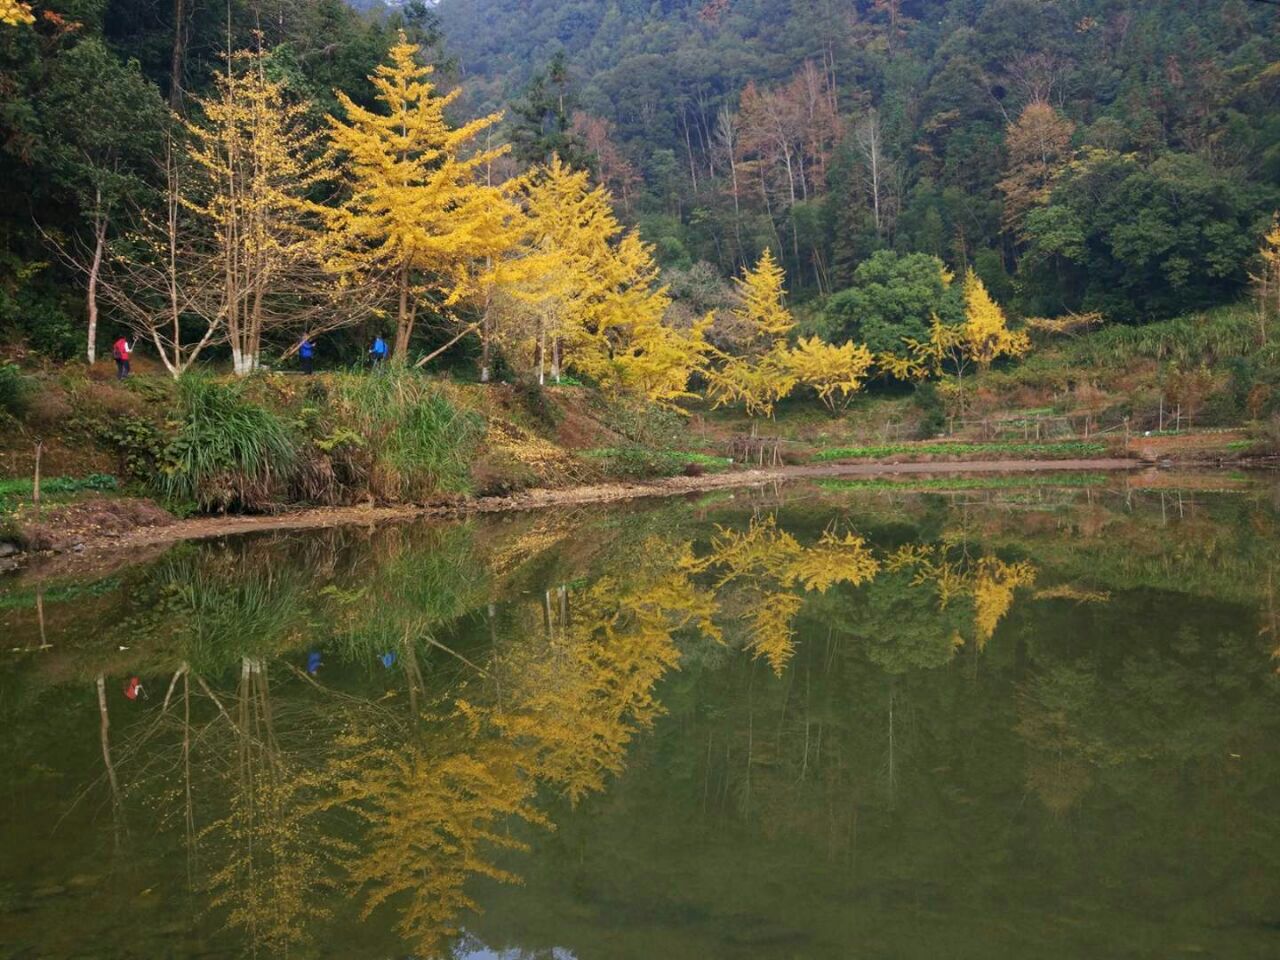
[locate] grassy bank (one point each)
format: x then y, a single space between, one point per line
281 441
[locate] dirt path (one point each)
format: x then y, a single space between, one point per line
141 542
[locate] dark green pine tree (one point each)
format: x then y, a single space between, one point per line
542 124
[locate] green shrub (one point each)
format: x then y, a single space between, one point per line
933 414
15 390
139 443
229 453
643 423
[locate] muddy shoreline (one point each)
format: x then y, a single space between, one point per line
111 549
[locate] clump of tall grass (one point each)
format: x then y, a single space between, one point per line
229 453
414 441
1189 339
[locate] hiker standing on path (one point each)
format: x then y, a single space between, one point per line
378 352
122 350
307 355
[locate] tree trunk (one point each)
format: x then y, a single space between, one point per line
177 55
404 322
91 295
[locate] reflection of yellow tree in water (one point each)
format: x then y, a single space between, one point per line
560 711
577 698
989 583
434 808
435 791
771 562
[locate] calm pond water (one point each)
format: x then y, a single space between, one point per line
824 721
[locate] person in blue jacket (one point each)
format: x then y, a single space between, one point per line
307 355
378 352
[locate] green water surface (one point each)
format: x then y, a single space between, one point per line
809 722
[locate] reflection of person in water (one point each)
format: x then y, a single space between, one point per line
313 662
388 659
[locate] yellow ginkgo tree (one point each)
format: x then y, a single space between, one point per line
759 368
418 218
14 13
835 372
755 372
1266 278
986 333
256 163
588 297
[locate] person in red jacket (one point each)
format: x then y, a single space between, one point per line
121 351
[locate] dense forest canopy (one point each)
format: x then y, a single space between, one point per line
1103 154
1108 156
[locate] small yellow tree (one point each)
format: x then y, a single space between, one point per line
1266 279
836 373
762 310
987 336
981 339
14 13
757 374
418 217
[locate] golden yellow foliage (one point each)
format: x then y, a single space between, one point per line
832 560
771 563
994 583
987 336
576 703
14 13
762 310
258 164
758 382
989 582
1266 280
769 633
757 374
418 212
836 373
982 338
591 294
434 816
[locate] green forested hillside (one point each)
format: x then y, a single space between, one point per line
1109 157
1089 154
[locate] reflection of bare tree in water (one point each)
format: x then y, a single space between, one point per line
241 776
104 728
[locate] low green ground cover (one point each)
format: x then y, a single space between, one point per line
1071 448
15 491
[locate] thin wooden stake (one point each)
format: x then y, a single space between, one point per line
35 482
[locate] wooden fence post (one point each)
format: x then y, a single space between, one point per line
35 482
